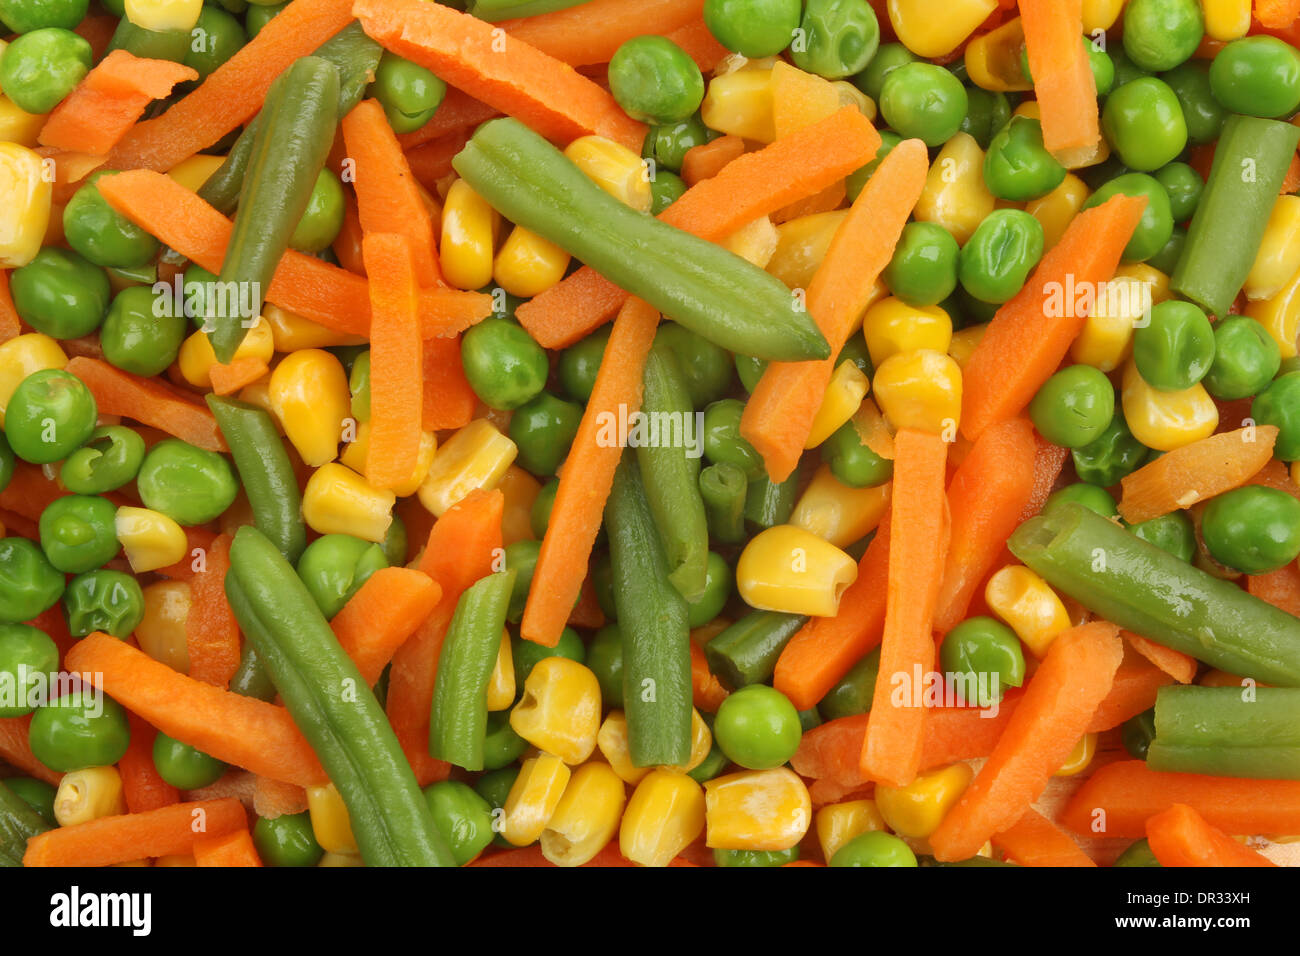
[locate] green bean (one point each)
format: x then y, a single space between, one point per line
1222 732
746 652
18 824
251 678
768 504
723 487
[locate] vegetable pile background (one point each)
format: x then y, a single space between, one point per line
670 432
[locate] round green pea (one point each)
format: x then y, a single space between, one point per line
717 589
997 259
874 848
136 338
1252 529
323 217
1172 533
732 858
28 658
1203 114
78 532
1175 349
334 566
1157 222
749 370
462 817
706 368
753 28
924 101
655 81
889 57
8 461
494 787
526 654
668 144
1246 357
1144 123
521 557
1092 497
215 39
1137 732
41 67
987 655
852 462
757 727
24 16
504 365
83 728
190 485
259 15
1017 167
183 766
605 659
501 745
923 269
1074 406
1184 186
102 235
723 441
103 600
542 430
109 459
839 38
1160 34
51 414
580 362
1110 456
1166 260
1257 76
986 113
409 93
1279 405
666 188
539 516
287 840
29 584
61 293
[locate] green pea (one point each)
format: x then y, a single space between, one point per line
986 658
1246 357
359 386
103 600
986 113
1126 71
29 584
1172 533
287 840
259 15
757 727
1258 76
1138 854
706 368
1110 456
540 514
1092 497
82 728
1184 186
723 441
28 659
999 255
395 543
853 693
334 566
50 415
542 430
494 787
7 462
580 362
183 766
605 659
858 178
1137 732
923 269
1074 406
522 557
102 235
855 350
409 93
60 293
667 145
1203 114
1175 349
501 745
1279 405
1017 166
215 39
655 81
109 459
1252 529
1160 34
24 16
753 28
874 848
37 794
505 367
888 58
717 589
730 858
713 764
852 462
462 817
924 101
1157 222
602 581
808 719
1144 123
188 484
41 67
1166 260
666 188
78 532
323 217
839 38
135 338
525 654
749 370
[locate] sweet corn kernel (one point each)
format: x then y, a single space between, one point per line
477 456
528 264
355 452
920 389
788 569
612 741
533 798
837 512
559 711
931 28
290 332
1055 210
1166 420
964 342
330 820
757 810
520 490
150 539
993 59
1080 757
161 632
339 501
1156 281
801 246
259 393
1226 19
1280 314
614 168
917 809
196 358
89 794
587 816
192 173
850 95
838 823
892 326
164 15
844 393
469 237
340 860
1031 608
309 391
955 196
664 816
740 103
1100 14
755 242
20 357
1278 256
501 685
25 202
1122 305
701 743
18 126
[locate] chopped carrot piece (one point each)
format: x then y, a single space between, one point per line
142 785
1035 840
431 161
708 159
232 849
1280 588
275 798
1180 836
15 749
10 325
592 32
167 831
211 631
148 401
1277 14
1181 667
1132 691
448 400
383 613
240 371
1063 82
458 113
707 690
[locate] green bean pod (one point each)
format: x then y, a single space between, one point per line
251 678
852 693
495 11
746 652
723 488
768 504
18 824
1222 732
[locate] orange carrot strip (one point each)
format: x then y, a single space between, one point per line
109 100
707 690
699 43
240 371
826 648
29 492
1030 334
781 409
1180 836
754 185
1053 714
167 831
708 159
234 91
396 365
211 631
458 113
1049 460
502 71
1132 691
431 161
1280 588
148 401
1063 82
1277 14
10 325
243 731
587 477
918 545
383 613
592 32
986 497
1035 840
16 751
275 798
587 612
1118 799
448 400
1181 667
183 570
388 199
142 786
832 197
232 849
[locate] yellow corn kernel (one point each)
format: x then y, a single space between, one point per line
1157 282
839 513
520 490
176 859
1100 14
838 823
701 744
25 202
740 103
1278 256
559 711
788 569
164 15
614 168
955 196
161 632
1166 420
150 539
501 685
339 501
1080 757
1028 605
800 99
18 126
196 357
1055 210
1280 314
355 452
801 246
964 342
612 741
89 794
469 237
850 95
892 326
755 242
993 59
586 817
664 816
937 27
259 394
477 456
309 391
20 357
330 820
757 810
844 393
920 389
533 798
192 173
917 809
1226 19
528 264
1107 336
290 332
340 859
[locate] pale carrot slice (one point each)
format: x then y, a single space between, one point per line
274 798
383 613
1280 588
448 400
1035 840
1063 81
1180 836
708 159
1277 14
1181 667
16 751
232 849
167 831
1134 689
148 401
211 631
142 786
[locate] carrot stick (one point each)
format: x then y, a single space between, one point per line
1118 799
707 690
587 612
832 197
918 545
754 185
502 71
1035 840
781 409
109 100
274 798
243 731
1031 333
1280 588
448 400
211 631
986 497
708 159
1277 14
240 371
1052 715
29 492
396 365
826 648
10 325
431 161
1049 460
592 32
587 477
232 849
1180 836
1132 691
167 831
148 401
16 751
303 285
458 113
388 199
142 786
234 91
383 613
1181 667
699 43
1063 82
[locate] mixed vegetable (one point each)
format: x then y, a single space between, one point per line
683 432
